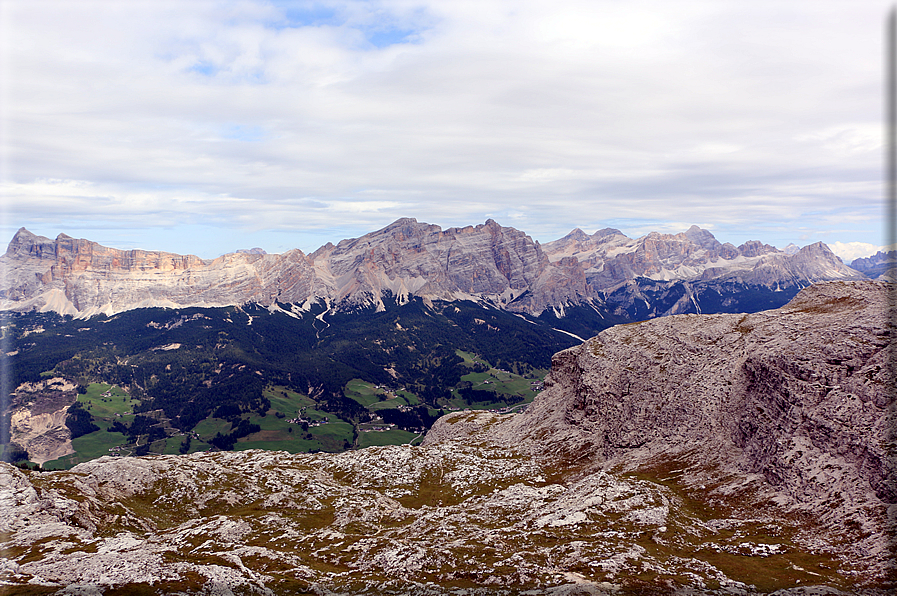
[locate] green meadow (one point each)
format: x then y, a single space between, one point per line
90 446
374 398
108 404
100 405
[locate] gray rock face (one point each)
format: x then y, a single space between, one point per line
486 262
411 258
82 278
800 399
609 259
879 265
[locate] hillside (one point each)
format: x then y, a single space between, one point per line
427 320
698 454
790 410
168 381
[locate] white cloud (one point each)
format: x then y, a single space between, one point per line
748 116
848 251
362 206
546 174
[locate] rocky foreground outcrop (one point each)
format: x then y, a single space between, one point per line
724 454
792 409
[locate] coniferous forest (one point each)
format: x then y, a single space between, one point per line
185 367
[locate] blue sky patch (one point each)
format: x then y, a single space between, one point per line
381 29
382 38
204 68
242 132
305 14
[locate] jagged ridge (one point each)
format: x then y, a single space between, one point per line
488 262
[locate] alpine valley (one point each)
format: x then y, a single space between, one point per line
370 418
366 342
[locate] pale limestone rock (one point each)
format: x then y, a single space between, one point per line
488 262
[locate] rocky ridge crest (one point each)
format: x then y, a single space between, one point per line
487 262
880 264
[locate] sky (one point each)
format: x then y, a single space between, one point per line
204 127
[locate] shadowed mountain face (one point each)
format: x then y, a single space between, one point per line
605 273
881 263
695 454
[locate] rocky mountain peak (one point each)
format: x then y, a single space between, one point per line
23 236
819 252
322 251
403 221
606 232
755 248
403 225
576 234
878 265
702 238
490 262
26 245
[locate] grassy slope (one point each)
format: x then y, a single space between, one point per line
498 381
108 404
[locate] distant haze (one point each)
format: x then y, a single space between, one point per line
203 127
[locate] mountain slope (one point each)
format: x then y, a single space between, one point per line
712 454
793 407
204 371
876 265
500 265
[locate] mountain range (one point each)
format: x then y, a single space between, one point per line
603 274
876 265
746 451
451 317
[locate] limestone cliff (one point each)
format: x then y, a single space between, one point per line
488 262
81 278
410 258
609 259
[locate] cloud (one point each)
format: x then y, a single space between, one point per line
254 114
848 251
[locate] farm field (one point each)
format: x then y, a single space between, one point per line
294 422
104 401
